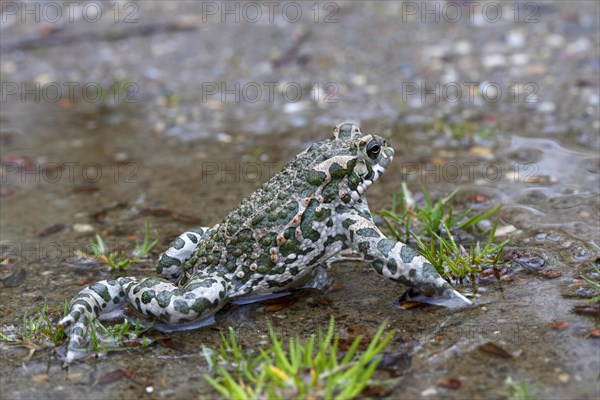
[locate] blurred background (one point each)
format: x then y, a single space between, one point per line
116 111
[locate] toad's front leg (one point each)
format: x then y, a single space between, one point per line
398 262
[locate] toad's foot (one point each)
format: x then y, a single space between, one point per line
106 298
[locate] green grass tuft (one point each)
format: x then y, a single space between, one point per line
432 226
594 285
313 368
518 390
117 260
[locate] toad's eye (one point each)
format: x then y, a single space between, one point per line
373 149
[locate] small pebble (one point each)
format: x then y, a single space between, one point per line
554 40
494 61
515 39
462 48
519 59
505 230
120 157
83 228
44 79
359 80
224 137
8 67
429 392
579 46
546 107
291 108
149 389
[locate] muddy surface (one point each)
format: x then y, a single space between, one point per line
171 137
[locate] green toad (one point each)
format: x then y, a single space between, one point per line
272 242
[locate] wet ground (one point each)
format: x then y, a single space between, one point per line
172 137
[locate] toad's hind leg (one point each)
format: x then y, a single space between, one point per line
201 297
171 263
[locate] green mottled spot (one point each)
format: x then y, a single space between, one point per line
292 245
204 283
262 269
345 131
385 246
401 279
407 254
316 178
351 165
330 191
181 306
193 238
324 214
84 303
353 181
101 290
77 331
237 252
211 259
337 171
178 243
269 239
231 266
148 295
307 220
265 261
202 304
392 266
166 262
429 271
333 239
164 299
367 232
258 218
378 265
364 247
278 271
446 287
347 222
